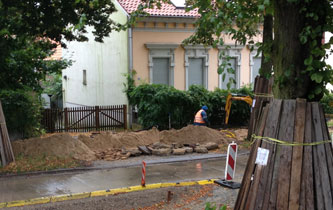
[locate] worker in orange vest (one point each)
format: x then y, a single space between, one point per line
201 117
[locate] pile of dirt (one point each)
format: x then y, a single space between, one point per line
59 145
106 140
193 135
108 145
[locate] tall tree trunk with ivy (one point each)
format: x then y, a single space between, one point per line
297 49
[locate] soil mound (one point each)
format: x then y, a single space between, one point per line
59 145
119 140
193 134
110 145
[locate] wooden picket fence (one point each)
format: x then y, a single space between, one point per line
85 119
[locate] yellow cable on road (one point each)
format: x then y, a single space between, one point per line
230 134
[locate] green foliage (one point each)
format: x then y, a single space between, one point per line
53 85
29 31
209 206
156 103
130 83
22 111
327 103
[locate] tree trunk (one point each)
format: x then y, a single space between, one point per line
289 54
266 57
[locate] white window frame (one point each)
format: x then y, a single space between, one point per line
162 50
233 51
196 51
253 54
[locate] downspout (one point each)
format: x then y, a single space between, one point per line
130 68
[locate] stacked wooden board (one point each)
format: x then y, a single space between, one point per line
262 92
295 177
6 151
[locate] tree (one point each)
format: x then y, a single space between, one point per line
30 30
296 52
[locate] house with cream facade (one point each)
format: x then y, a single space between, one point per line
154 49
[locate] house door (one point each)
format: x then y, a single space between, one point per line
161 71
195 72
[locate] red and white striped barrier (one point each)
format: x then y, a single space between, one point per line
231 162
143 177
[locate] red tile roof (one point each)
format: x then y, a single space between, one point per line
165 10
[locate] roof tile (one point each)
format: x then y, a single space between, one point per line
165 10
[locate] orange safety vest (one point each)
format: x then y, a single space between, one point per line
198 118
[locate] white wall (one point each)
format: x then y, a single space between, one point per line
105 64
330 58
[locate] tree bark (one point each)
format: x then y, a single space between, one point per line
290 78
266 62
288 52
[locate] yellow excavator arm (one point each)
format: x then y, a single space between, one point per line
231 98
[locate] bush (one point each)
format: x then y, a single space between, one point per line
22 111
327 103
156 103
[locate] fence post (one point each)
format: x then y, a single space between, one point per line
66 119
125 116
97 117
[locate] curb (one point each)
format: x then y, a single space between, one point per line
76 196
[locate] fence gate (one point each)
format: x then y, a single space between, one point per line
84 119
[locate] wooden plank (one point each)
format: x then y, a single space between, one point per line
328 147
271 130
257 172
2 152
246 181
307 191
297 155
286 133
322 171
5 138
125 116
258 169
66 119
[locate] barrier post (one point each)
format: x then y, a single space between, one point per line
143 177
230 168
231 162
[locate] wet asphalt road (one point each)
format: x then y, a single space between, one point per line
27 187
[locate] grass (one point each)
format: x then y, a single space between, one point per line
40 163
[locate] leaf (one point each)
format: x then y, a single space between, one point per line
317 77
303 39
261 7
220 70
308 61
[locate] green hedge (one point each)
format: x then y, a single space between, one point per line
22 111
156 102
327 103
